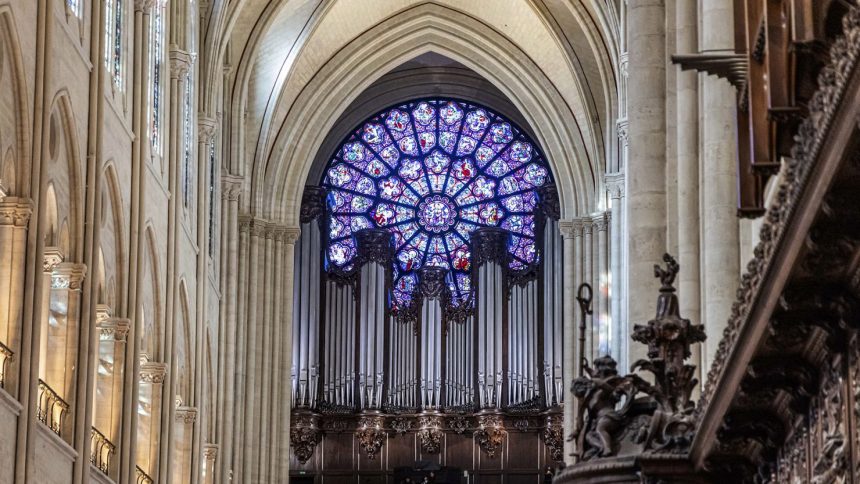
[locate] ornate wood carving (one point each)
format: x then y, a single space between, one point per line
490 434
313 204
370 435
489 244
304 436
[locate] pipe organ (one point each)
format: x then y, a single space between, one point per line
499 350
428 296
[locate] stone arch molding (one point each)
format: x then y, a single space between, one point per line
277 184
10 43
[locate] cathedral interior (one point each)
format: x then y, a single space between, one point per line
446 241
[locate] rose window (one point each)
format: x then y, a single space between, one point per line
431 172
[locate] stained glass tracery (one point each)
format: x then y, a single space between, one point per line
432 172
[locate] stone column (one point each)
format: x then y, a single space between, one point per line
183 433
14 218
646 169
688 172
601 307
63 327
150 392
719 193
291 235
230 190
615 186
568 231
108 374
210 456
589 276
53 259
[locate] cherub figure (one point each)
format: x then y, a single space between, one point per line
599 393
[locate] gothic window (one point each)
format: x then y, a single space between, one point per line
187 189
431 172
113 41
156 72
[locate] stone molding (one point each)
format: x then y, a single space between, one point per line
15 211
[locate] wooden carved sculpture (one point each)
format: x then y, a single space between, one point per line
655 416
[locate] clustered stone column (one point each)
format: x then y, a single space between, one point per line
112 339
568 232
687 111
720 273
261 394
183 429
646 167
615 188
227 337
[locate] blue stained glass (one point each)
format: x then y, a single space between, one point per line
432 172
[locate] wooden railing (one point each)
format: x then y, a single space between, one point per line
52 409
142 477
5 358
101 450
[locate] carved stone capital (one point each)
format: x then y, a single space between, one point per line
153 372
186 415
231 187
622 128
180 63
601 221
244 223
571 229
115 329
52 258
290 235
614 183
210 452
144 6
68 275
624 63
15 211
206 128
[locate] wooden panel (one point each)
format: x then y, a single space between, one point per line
337 452
401 450
458 451
522 453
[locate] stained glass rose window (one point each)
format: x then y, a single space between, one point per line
431 172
